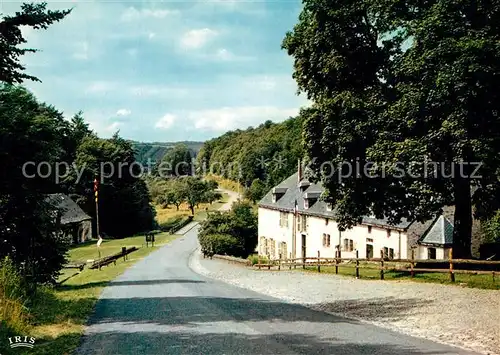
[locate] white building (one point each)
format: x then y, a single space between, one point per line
313 228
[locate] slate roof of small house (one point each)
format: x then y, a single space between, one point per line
287 201
71 212
441 232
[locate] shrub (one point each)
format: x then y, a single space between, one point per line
13 313
254 259
222 244
240 223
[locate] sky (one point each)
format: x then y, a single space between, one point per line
166 70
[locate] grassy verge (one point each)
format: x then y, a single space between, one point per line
226 183
370 273
166 215
58 315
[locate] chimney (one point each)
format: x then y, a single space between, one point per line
299 171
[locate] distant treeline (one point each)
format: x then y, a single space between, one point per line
258 157
157 150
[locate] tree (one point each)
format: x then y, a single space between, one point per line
256 191
394 84
177 161
34 15
30 132
193 191
124 199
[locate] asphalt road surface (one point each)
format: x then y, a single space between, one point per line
161 306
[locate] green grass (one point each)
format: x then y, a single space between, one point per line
370 273
58 315
164 215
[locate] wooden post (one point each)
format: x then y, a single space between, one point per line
381 264
124 252
290 262
279 263
336 261
268 261
357 264
412 273
450 256
319 267
258 261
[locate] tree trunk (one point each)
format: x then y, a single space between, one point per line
191 207
463 219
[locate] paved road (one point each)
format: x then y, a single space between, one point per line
160 306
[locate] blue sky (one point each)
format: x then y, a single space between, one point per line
167 70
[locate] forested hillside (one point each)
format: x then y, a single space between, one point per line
258 157
157 150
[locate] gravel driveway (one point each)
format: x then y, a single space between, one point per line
464 317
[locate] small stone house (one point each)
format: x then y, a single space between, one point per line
313 228
75 224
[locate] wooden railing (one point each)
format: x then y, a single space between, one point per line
97 264
384 264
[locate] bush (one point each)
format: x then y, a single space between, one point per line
254 259
222 244
239 223
181 224
171 222
13 297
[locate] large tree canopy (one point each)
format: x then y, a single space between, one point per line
400 84
33 15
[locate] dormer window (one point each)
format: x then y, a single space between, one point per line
278 192
303 185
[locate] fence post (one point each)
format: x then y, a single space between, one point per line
290 262
258 261
412 273
279 262
336 261
268 261
319 267
357 264
450 256
381 264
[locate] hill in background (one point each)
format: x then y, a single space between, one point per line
157 150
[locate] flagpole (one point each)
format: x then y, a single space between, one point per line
99 241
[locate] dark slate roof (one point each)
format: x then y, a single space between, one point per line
71 212
441 233
319 208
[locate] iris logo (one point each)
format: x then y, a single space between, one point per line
21 342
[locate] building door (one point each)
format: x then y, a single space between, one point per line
303 246
369 251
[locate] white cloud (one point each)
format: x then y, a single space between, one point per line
228 118
101 87
157 91
113 127
151 35
133 14
197 38
82 51
123 112
166 121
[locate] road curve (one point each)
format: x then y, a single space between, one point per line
161 306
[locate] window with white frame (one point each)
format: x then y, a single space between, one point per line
284 219
302 223
348 245
328 240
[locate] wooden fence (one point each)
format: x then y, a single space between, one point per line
384 264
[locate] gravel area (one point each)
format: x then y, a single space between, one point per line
463 317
